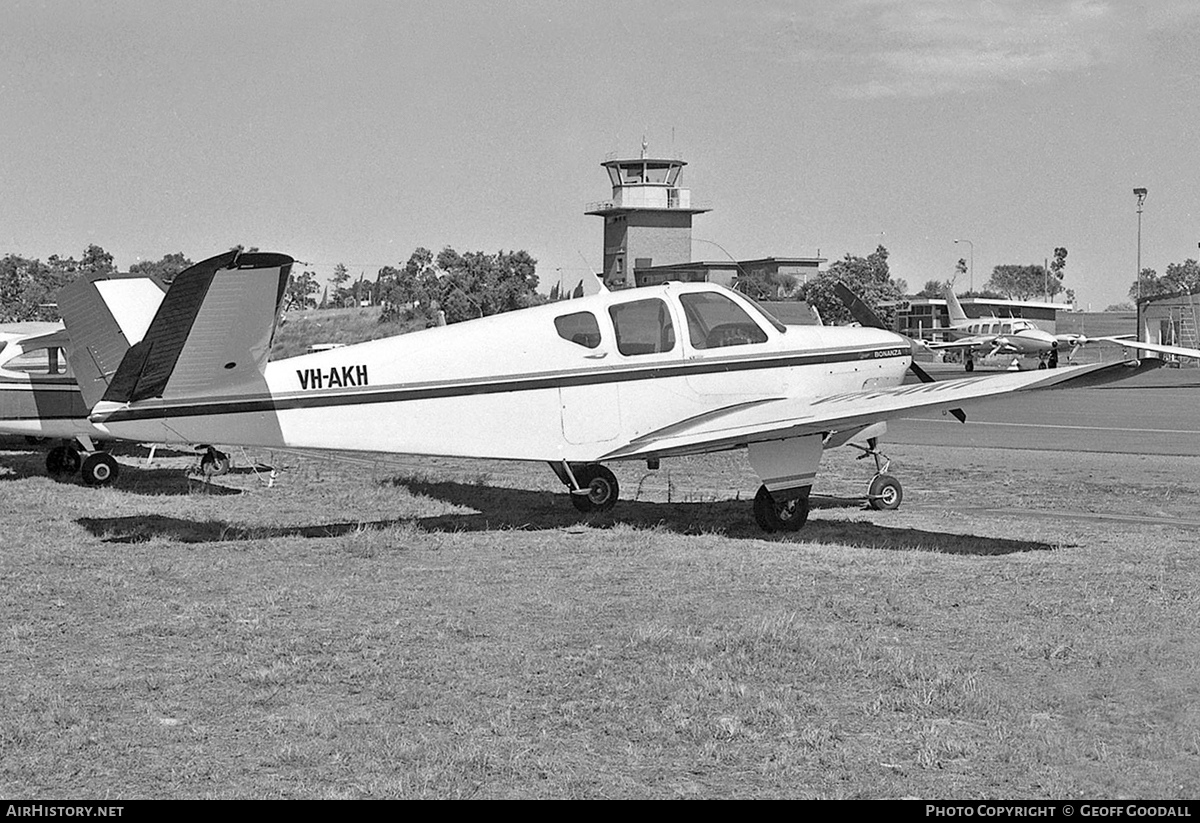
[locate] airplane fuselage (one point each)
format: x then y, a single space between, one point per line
1008 336
38 395
564 381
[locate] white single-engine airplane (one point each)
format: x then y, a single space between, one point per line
639 374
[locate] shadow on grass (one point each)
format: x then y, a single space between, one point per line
145 527
514 509
134 479
500 508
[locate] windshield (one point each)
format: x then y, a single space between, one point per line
770 317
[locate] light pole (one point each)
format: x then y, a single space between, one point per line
972 269
1140 194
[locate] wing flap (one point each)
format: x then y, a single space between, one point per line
796 416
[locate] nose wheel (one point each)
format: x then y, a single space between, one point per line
884 493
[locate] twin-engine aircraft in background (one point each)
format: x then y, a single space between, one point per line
1010 336
641 374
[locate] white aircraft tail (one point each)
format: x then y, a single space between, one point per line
958 317
111 312
210 336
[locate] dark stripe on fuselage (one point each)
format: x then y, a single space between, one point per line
503 385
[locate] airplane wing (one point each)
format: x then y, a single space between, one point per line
786 417
964 343
1178 351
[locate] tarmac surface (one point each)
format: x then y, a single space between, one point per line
1151 413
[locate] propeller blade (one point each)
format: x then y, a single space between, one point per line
861 312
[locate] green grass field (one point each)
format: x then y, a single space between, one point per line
410 628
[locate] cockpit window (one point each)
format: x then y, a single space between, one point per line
643 327
715 321
580 328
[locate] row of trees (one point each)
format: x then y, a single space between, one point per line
1179 278
27 285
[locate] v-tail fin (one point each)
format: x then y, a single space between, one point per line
105 314
211 335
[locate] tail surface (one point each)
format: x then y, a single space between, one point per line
105 315
957 315
211 335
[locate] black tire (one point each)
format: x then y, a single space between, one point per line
1042 364
885 493
970 364
214 463
771 516
601 485
99 469
62 460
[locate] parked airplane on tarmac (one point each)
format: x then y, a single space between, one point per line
638 374
1012 336
40 397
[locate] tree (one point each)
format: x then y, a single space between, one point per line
1148 285
26 287
932 289
868 277
301 292
765 285
960 268
473 284
340 276
1018 282
165 269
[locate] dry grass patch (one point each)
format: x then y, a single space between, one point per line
452 629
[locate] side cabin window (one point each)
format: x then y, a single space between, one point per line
643 327
39 361
580 328
715 321
1006 328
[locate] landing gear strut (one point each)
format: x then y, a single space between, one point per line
885 492
593 487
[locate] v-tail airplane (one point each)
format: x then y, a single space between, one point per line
641 374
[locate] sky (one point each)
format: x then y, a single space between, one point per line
354 132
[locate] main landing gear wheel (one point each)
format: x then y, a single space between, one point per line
99 469
62 460
970 366
885 493
773 516
214 463
598 488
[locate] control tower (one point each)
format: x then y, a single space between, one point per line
648 221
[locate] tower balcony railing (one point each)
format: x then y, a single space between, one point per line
685 202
